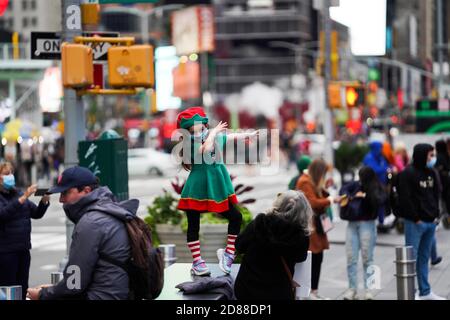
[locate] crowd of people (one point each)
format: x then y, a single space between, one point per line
416 191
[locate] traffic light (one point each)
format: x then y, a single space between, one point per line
90 13
77 65
131 66
374 74
334 57
334 95
355 96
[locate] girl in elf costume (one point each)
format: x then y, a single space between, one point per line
208 187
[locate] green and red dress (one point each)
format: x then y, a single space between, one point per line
208 187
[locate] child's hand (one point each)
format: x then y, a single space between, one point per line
220 127
254 134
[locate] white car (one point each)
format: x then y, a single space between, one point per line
148 161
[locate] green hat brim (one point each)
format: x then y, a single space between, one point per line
187 123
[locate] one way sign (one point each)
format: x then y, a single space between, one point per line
47 45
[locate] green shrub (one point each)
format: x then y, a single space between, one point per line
349 156
164 210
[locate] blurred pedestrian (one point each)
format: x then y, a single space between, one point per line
16 212
312 184
375 160
365 196
419 199
388 153
302 165
272 244
448 145
443 168
401 158
434 257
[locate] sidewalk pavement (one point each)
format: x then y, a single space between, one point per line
333 281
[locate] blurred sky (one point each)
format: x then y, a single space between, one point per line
367 22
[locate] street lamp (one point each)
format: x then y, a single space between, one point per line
299 50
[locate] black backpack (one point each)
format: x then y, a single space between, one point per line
146 266
350 208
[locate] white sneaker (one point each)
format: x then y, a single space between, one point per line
389 220
350 294
368 296
317 296
430 296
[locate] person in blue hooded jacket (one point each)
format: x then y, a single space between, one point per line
16 212
375 160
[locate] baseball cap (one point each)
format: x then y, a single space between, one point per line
72 178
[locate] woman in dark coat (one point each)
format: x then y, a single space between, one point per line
443 168
282 233
16 212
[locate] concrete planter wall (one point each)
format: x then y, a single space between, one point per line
212 237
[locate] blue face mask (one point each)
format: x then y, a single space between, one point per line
432 162
200 136
9 181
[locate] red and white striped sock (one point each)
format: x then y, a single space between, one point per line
230 244
194 246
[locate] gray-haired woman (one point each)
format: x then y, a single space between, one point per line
282 233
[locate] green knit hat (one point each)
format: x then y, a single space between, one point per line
303 163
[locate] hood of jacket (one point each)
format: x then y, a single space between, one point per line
277 231
101 199
376 148
420 155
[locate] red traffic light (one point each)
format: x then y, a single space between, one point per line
3 6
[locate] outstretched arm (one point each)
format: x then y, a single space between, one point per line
242 135
208 145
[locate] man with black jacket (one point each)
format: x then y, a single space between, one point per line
419 200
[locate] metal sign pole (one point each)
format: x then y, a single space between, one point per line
328 126
74 115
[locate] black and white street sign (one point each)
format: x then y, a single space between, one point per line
47 45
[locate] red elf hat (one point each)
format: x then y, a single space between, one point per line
190 116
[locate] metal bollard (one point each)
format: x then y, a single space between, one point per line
11 293
169 254
56 277
405 273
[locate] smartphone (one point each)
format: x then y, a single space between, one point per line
41 192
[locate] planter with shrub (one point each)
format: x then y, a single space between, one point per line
169 225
